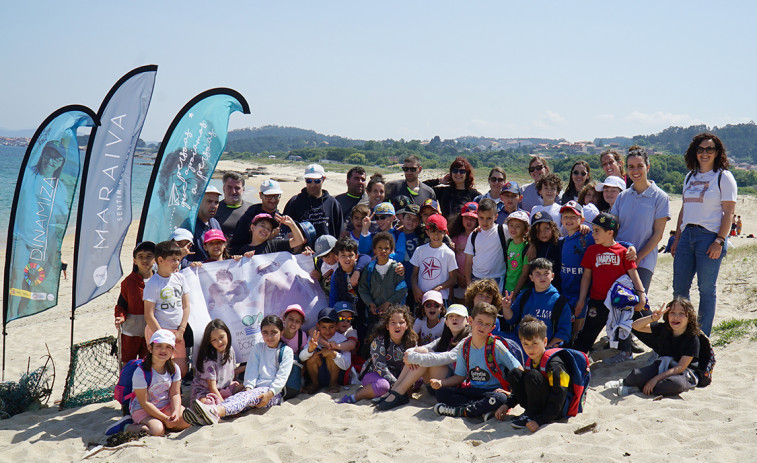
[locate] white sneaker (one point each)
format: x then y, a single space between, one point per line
614 384
626 390
206 412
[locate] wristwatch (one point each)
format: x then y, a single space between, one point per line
720 241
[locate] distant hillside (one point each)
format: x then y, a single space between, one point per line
272 138
28 133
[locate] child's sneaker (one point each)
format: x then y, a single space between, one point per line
191 417
614 384
620 357
520 421
448 410
208 414
626 390
487 416
119 426
347 399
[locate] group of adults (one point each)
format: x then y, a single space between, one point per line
643 209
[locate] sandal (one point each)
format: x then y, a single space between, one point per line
398 399
334 389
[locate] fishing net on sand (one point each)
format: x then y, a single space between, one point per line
30 392
93 373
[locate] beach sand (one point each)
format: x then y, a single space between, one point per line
717 423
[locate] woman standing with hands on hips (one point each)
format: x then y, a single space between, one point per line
709 201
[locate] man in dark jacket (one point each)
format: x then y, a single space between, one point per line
316 205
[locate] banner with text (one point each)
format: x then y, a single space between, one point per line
186 160
41 208
242 293
105 196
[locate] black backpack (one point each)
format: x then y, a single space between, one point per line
706 361
502 240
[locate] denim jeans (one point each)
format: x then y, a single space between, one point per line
690 259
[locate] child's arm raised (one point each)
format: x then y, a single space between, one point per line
642 324
507 305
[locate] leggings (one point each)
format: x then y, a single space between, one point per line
243 400
671 385
378 383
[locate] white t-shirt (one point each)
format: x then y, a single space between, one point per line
426 334
382 269
434 265
158 392
554 212
166 294
489 258
702 198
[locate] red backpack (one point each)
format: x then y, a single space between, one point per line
491 359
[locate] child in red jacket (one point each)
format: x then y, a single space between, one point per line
130 311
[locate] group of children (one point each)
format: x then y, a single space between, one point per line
531 285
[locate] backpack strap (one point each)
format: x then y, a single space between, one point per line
525 294
502 240
466 353
299 340
148 374
559 306
491 360
473 241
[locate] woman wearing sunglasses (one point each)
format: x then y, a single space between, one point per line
709 200
456 188
537 168
580 176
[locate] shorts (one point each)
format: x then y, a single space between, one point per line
179 351
140 414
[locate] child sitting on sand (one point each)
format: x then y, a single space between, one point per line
324 364
678 347
216 366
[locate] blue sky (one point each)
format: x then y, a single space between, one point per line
395 69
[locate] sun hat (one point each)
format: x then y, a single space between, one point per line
612 180
163 336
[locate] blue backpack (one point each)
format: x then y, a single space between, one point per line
577 364
124 391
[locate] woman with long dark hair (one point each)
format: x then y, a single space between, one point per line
456 188
580 176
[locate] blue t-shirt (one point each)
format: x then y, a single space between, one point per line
637 214
571 272
480 375
541 305
365 245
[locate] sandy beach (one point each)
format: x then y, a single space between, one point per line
717 423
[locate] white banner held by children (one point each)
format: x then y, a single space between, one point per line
242 293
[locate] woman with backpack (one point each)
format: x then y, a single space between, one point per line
709 200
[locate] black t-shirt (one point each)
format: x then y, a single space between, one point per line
270 246
676 347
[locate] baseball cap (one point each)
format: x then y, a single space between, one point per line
265 216
163 337
383 209
294 308
518 215
432 295
457 309
470 209
432 203
270 187
606 221
573 206
314 171
212 190
438 221
539 217
181 234
342 306
213 234
612 180
324 244
511 187
144 246
410 209
328 314
308 231
401 202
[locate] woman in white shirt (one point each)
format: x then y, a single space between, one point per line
709 200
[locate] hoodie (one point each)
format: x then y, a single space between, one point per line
324 213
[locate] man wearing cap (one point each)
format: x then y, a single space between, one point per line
205 221
233 207
270 196
316 205
355 192
411 187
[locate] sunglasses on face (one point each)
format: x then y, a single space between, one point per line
313 180
345 319
409 169
432 305
459 171
496 179
708 150
580 173
535 168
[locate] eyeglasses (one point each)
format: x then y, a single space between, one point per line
580 173
432 305
382 217
313 180
345 319
272 197
458 171
708 150
535 168
496 179
409 169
